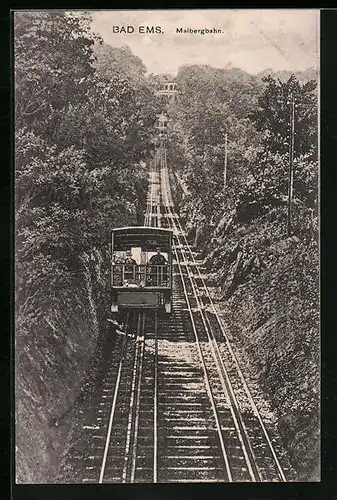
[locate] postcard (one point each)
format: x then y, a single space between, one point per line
166 246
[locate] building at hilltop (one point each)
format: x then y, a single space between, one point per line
168 89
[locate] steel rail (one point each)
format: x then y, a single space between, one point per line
241 376
141 340
206 375
149 208
133 421
134 413
222 372
225 382
134 396
114 401
237 366
155 402
239 371
155 399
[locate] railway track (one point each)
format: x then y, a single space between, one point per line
254 448
174 405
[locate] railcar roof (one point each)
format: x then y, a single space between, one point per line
149 238
142 229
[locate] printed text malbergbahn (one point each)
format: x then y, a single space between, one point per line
203 31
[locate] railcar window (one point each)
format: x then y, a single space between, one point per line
139 267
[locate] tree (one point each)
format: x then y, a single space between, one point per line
118 62
53 65
79 140
212 103
274 112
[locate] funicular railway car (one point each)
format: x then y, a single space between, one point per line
141 268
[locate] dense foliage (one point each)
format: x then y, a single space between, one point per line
255 115
80 135
84 117
267 280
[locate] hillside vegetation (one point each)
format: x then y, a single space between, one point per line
82 133
266 277
84 119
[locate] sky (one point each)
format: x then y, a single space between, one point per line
253 40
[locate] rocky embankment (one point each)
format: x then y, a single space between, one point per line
60 334
52 359
267 290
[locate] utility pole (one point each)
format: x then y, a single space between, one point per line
291 169
225 166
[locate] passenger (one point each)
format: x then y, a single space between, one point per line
158 259
117 259
129 267
158 269
129 259
117 268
